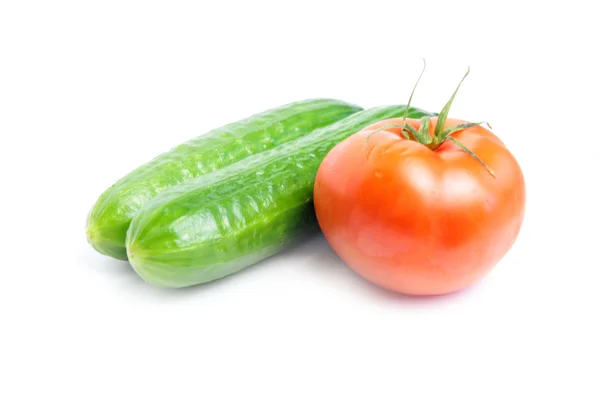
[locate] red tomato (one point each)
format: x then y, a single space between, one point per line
416 220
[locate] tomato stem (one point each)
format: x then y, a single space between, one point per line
440 135
411 95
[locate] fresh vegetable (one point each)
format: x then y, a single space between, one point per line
225 221
110 217
421 206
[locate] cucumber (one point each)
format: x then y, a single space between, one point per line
110 217
218 224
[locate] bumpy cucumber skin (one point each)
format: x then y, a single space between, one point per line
110 217
218 224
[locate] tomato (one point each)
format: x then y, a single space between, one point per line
420 219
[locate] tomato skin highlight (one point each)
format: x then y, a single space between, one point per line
420 221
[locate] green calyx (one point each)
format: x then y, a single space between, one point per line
440 135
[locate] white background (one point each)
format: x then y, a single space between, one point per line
89 90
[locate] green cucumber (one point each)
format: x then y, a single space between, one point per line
218 224
110 217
